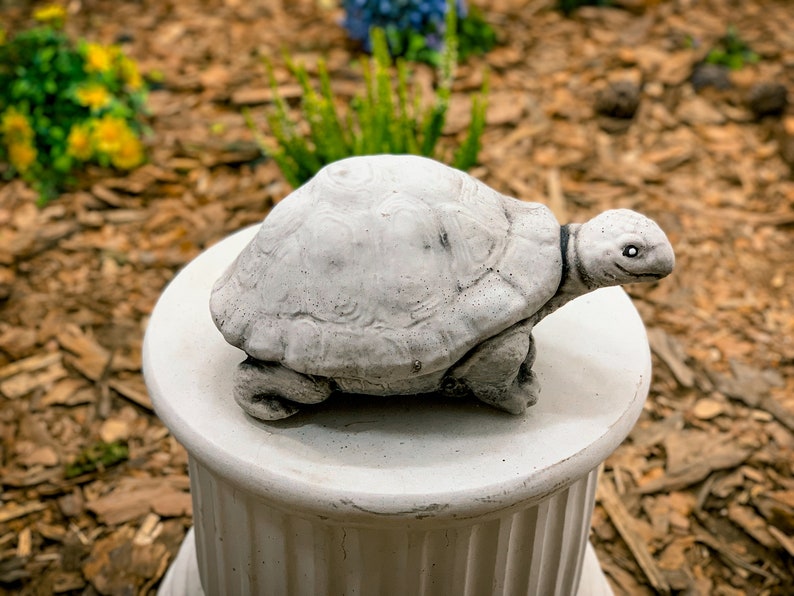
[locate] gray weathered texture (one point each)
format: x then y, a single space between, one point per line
399 275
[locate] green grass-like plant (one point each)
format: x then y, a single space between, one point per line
97 457
732 51
387 117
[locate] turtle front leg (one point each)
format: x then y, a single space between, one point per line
499 371
527 377
269 391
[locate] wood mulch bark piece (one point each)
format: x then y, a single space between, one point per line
699 499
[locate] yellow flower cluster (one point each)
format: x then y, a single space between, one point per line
106 97
130 74
109 136
53 14
22 156
99 58
93 95
110 59
79 143
18 137
15 125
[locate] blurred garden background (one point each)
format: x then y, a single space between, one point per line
136 133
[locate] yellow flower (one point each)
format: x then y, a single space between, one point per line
130 74
78 143
112 136
109 134
51 13
21 155
129 154
99 58
93 95
15 126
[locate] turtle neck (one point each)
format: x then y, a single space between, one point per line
565 236
574 280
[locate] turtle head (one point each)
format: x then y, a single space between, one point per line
621 246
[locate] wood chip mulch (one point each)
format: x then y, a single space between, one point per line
609 108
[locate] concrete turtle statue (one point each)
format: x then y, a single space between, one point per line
395 274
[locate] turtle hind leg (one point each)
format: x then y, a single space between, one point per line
270 391
526 379
513 397
499 371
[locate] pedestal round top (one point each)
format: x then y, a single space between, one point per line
400 458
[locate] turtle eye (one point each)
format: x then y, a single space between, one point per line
631 251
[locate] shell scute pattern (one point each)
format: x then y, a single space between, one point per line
415 266
531 261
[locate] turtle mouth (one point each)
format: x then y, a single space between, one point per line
639 275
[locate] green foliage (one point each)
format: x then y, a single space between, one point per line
63 104
475 37
386 118
466 154
97 457
732 52
569 6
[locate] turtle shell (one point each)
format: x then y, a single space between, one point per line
385 267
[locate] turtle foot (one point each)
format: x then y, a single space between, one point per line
269 391
514 399
265 407
530 387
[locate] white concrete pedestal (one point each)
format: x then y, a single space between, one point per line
394 496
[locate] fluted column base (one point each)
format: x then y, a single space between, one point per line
244 546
